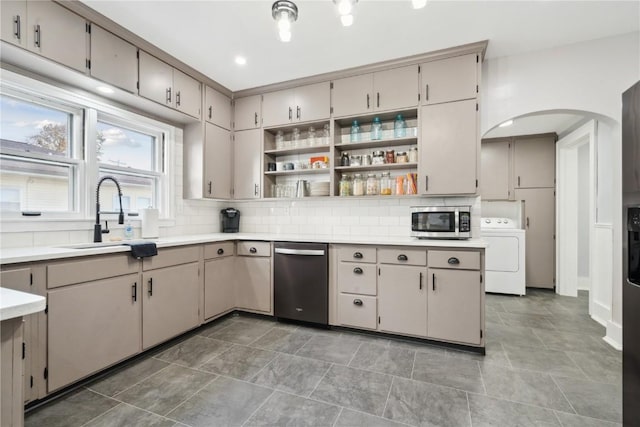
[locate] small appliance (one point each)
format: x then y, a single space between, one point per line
230 218
441 222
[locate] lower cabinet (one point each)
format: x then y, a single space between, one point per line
253 283
357 311
11 373
402 300
92 326
219 295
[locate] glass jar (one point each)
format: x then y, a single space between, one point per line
373 185
390 156
413 155
399 185
401 157
311 137
358 185
378 158
345 186
295 138
325 135
279 140
385 184
399 127
355 132
355 160
376 129
344 159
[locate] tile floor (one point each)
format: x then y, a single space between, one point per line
546 364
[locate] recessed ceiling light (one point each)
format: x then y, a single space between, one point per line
418 4
241 60
505 124
104 89
347 20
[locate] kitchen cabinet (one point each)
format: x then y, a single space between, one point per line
219 271
247 114
534 161
253 277
539 206
357 311
217 163
402 300
13 27
188 90
448 149
113 60
247 164
11 378
301 104
382 91
91 326
495 170
217 108
451 79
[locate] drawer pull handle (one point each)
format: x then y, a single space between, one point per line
357 255
220 251
453 261
357 302
357 270
402 257
253 250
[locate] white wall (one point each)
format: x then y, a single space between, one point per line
583 212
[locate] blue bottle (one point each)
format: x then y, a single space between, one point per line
355 132
376 129
399 127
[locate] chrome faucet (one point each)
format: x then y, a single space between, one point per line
97 228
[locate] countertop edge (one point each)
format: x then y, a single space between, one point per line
17 304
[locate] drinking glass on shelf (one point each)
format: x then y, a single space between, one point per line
279 140
325 135
295 138
311 137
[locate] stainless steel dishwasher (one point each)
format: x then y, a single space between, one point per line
301 287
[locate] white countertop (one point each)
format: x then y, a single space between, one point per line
31 254
17 304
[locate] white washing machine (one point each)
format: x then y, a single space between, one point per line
504 257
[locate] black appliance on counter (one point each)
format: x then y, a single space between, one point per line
230 218
631 256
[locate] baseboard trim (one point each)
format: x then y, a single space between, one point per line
600 313
614 335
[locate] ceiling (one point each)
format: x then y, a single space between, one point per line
560 123
209 34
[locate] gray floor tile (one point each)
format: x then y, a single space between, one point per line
292 374
527 320
448 371
533 388
127 377
282 409
239 362
283 340
366 338
330 349
73 410
217 325
578 323
600 367
349 418
539 359
422 404
393 361
524 306
194 351
243 331
125 415
492 317
488 411
591 399
223 402
165 390
571 420
354 388
494 354
417 346
512 335
567 341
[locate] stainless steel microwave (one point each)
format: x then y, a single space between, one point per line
441 222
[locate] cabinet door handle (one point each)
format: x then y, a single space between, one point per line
527 222
253 250
402 257
290 113
16 23
368 103
378 99
210 111
426 92
453 261
357 270
220 251
36 39
298 110
168 95
518 181
357 255
134 292
433 281
150 290
421 280
210 184
177 98
357 302
255 118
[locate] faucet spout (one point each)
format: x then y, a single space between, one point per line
97 228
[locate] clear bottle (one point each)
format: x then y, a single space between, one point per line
413 155
376 129
280 140
373 185
385 184
295 138
399 185
358 185
128 231
355 132
345 186
399 127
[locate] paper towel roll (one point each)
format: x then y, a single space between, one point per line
150 225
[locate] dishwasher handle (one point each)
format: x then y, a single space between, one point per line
312 252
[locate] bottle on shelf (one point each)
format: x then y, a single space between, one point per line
373 185
345 186
376 129
128 231
325 134
280 140
344 159
385 184
413 155
399 127
358 185
399 185
311 137
355 132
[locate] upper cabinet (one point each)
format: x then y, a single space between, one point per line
495 169
217 108
13 24
188 98
247 113
534 161
302 104
247 149
451 79
382 91
217 163
113 60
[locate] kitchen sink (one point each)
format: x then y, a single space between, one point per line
93 245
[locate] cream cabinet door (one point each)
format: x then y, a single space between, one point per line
217 166
278 108
312 102
113 60
534 162
454 312
247 152
92 326
495 170
58 34
188 94
402 300
13 22
352 95
219 293
217 108
539 207
451 79
448 148
156 80
170 302
247 113
253 283
396 88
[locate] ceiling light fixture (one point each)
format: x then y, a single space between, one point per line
284 12
345 9
105 89
241 60
418 4
505 124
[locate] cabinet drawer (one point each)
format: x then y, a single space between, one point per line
90 269
218 250
172 256
357 278
357 311
402 256
455 259
254 248
357 253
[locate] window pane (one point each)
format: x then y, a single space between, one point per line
125 148
134 188
35 186
31 127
